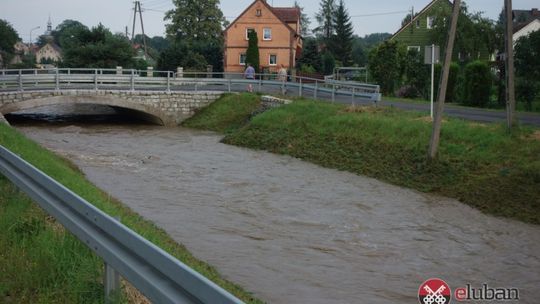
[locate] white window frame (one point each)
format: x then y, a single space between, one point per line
414 47
247 32
258 12
430 22
240 58
270 60
267 30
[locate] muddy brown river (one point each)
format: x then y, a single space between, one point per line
293 232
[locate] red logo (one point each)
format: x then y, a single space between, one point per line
434 291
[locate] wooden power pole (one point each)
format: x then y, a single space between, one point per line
436 132
509 46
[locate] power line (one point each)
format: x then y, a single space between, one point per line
379 14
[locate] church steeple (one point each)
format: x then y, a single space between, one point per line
49 26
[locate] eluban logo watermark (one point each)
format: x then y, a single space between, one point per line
436 291
486 293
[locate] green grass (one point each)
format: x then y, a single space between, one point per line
42 263
227 115
481 165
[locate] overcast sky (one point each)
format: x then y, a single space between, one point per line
386 15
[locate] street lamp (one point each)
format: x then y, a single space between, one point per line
37 27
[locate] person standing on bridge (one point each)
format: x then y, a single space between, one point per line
282 77
249 74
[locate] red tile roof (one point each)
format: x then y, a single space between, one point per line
287 14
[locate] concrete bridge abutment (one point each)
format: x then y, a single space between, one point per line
169 108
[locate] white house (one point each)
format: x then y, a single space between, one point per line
526 29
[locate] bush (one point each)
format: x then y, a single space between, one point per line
477 84
408 91
451 89
526 91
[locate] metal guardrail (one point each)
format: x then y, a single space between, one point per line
158 275
136 80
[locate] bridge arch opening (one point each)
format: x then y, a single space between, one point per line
92 109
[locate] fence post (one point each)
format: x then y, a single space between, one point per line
57 80
300 90
20 81
133 80
95 79
316 89
333 92
168 81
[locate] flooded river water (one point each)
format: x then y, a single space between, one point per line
293 232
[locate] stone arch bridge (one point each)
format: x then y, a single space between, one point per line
162 107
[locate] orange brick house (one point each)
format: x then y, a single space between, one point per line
278 29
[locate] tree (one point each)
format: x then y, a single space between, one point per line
475 33
195 20
343 39
477 84
198 25
8 38
304 20
328 63
98 48
310 56
385 65
252 53
325 18
416 72
527 63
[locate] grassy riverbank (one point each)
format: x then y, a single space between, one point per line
479 164
42 263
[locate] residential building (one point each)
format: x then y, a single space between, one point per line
525 22
278 30
416 33
49 53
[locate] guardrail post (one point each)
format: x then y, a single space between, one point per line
260 83
132 80
352 97
20 81
333 92
95 80
35 73
57 80
168 81
111 281
3 83
229 85
316 89
300 90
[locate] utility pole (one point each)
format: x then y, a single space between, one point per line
136 9
436 132
509 45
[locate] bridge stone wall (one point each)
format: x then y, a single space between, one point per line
171 108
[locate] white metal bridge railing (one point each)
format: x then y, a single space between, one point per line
136 80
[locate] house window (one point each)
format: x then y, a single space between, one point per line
249 30
272 60
430 22
417 23
243 59
267 34
414 47
258 13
